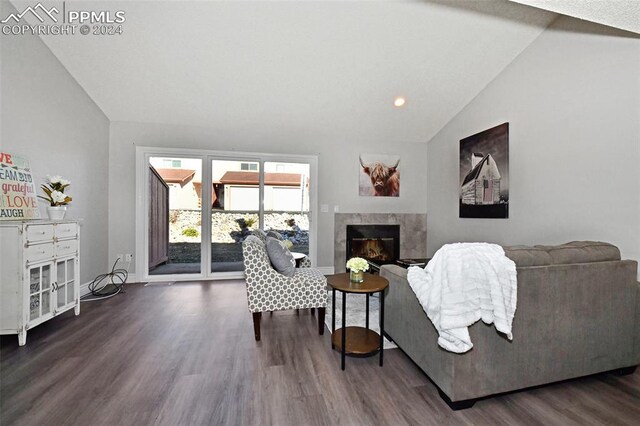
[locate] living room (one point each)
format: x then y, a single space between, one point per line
313 79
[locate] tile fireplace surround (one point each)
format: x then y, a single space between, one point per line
413 233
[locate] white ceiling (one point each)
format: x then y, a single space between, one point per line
339 64
623 14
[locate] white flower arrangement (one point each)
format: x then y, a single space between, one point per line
58 180
58 197
357 264
54 190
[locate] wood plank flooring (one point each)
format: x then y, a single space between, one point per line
185 355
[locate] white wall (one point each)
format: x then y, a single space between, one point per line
49 119
337 149
573 102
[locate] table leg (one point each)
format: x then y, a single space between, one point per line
381 325
344 328
333 314
367 312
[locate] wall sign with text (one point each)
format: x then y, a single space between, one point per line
17 192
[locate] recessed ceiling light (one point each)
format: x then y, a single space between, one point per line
399 101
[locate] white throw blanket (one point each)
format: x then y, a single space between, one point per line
463 283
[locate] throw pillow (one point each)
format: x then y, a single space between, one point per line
275 234
280 257
260 234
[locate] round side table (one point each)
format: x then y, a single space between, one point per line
357 341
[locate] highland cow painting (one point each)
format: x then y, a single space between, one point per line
379 175
484 174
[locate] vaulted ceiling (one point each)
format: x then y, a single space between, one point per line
623 14
334 63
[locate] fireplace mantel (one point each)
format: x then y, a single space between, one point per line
413 233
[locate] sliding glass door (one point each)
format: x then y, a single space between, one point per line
198 207
286 202
175 215
235 210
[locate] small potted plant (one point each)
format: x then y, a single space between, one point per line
55 196
357 266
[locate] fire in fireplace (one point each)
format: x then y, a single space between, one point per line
379 244
378 250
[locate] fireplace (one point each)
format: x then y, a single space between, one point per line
378 244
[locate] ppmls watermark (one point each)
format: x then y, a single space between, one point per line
63 20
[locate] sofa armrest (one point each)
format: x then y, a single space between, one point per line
408 325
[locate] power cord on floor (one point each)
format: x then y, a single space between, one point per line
114 279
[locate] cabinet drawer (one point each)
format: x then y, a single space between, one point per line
66 248
37 233
39 252
66 230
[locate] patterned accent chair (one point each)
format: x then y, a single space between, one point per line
268 290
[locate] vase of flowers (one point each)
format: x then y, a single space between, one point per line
55 196
357 266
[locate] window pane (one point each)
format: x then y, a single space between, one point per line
34 280
235 208
46 277
61 273
286 202
175 218
61 295
46 303
34 307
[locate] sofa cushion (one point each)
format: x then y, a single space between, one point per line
524 256
582 252
280 257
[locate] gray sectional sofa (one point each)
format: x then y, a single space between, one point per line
578 313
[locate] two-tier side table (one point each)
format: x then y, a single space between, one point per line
357 341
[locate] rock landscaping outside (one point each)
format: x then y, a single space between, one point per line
229 229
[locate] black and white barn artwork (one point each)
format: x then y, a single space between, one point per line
484 174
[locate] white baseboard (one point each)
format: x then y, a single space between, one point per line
84 288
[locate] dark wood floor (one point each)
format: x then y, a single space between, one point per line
185 354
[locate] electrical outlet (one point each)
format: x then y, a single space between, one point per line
128 257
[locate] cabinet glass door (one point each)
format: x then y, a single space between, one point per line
61 290
39 291
65 289
71 285
46 289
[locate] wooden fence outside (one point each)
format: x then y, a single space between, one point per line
158 219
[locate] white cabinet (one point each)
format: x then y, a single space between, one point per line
39 273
